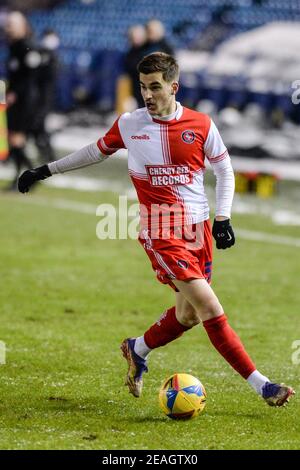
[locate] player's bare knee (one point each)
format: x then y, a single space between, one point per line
212 308
188 317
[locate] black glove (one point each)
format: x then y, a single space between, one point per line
29 177
223 234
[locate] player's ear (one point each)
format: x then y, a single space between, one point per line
175 87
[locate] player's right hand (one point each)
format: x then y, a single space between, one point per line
29 177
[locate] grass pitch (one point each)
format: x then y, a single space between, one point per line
68 300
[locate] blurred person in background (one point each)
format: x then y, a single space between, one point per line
156 41
143 40
46 79
137 39
22 65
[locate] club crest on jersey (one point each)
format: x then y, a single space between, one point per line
188 137
182 264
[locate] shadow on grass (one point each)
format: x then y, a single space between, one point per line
147 419
255 415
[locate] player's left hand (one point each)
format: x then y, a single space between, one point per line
223 234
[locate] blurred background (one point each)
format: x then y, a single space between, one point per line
239 63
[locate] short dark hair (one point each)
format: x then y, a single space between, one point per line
160 62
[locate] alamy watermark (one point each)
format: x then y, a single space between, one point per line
2 92
296 353
296 93
151 222
2 352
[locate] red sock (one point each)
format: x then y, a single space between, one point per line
227 343
166 329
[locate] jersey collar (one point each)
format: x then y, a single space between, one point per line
178 114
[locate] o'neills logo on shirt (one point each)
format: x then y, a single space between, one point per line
140 137
168 175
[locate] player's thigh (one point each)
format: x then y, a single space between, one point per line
201 296
185 312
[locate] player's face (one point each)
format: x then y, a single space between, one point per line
158 95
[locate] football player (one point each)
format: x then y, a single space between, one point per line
167 147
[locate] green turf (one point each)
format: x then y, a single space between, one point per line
68 300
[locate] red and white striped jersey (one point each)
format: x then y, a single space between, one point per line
166 159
